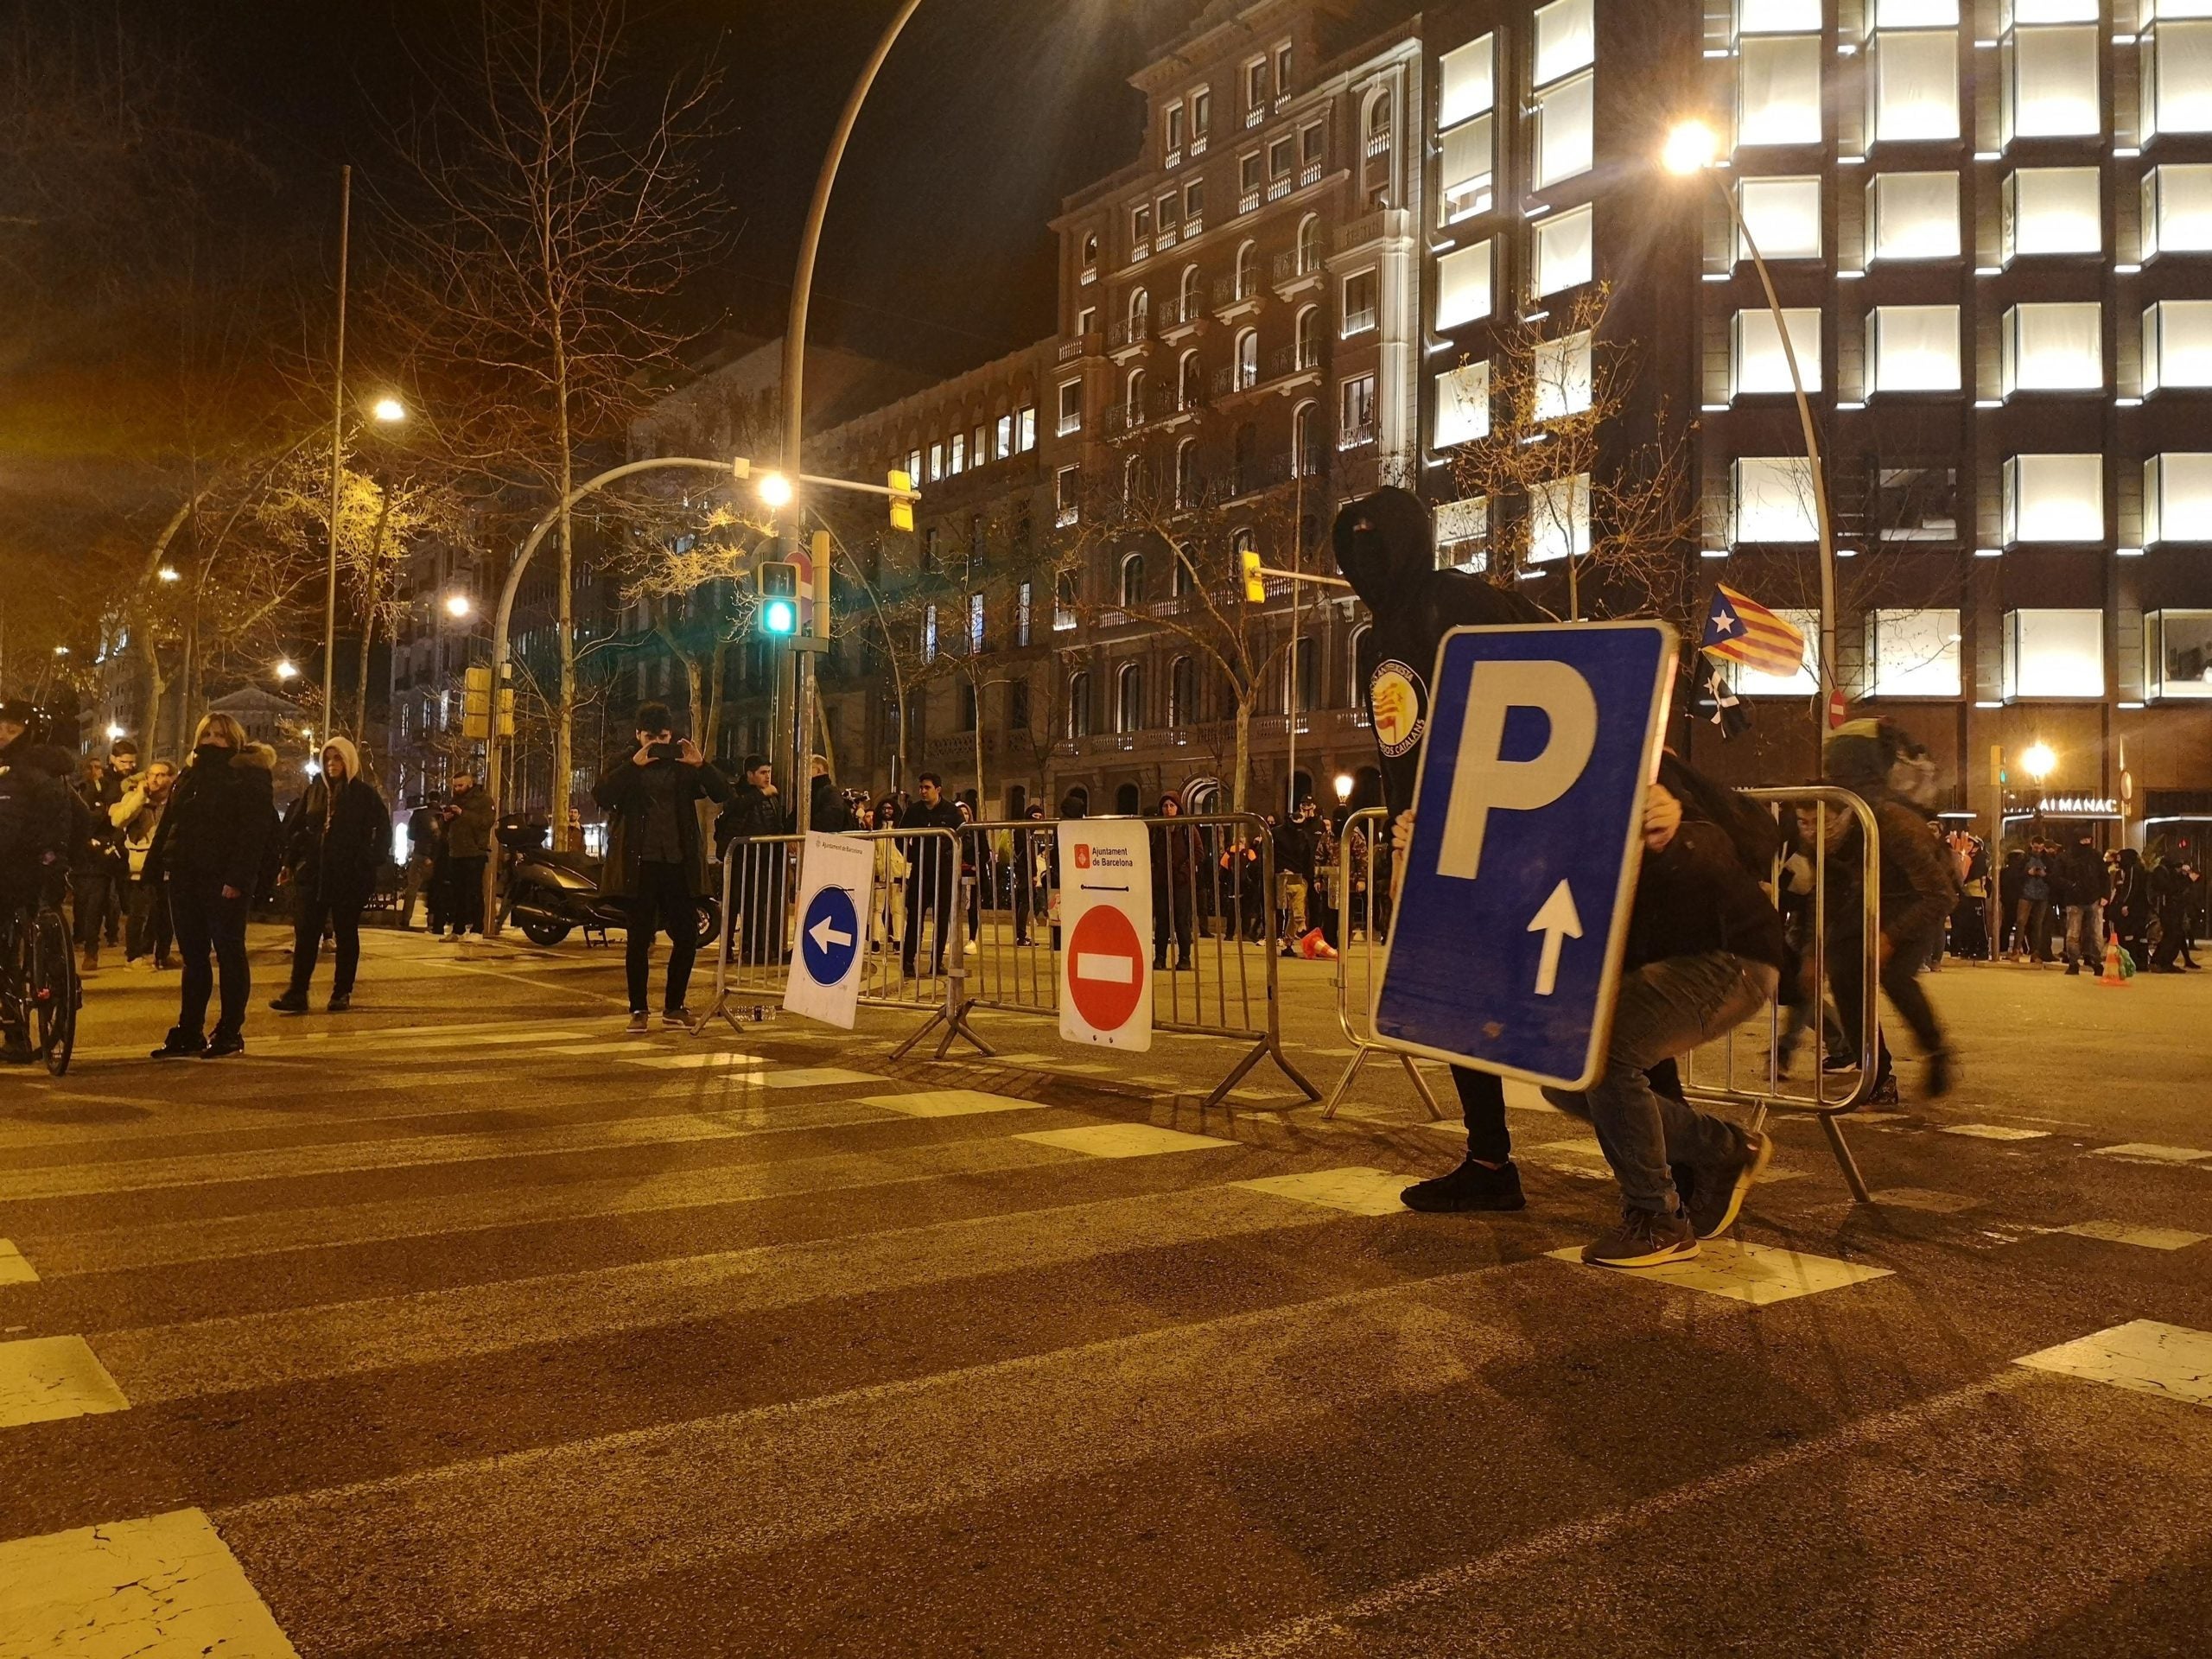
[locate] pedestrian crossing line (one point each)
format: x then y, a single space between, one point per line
164 1585
2121 1232
217 1238
714 1058
44 1379
1125 1139
951 1102
267 1044
2146 1152
1925 1199
2143 1355
1992 1132
15 1269
1758 1274
357 1157
266 1350
1355 1189
390 1560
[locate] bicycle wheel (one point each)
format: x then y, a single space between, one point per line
54 992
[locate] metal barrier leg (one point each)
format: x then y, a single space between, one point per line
1848 1164
1344 1084
1266 1048
1420 1083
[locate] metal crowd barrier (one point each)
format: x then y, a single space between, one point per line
1365 905
1213 905
917 881
1809 814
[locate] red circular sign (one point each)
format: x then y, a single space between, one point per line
1105 968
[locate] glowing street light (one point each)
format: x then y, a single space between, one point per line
61 651
1344 787
2039 762
1691 147
459 605
114 731
168 573
389 410
287 669
775 490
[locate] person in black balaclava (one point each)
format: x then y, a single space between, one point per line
1385 547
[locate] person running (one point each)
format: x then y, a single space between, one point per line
137 816
209 854
334 844
656 856
1705 952
935 863
1918 884
1386 547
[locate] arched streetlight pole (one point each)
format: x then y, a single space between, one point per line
795 375
494 770
1693 148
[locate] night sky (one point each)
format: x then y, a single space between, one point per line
937 253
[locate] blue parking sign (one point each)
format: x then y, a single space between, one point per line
1507 937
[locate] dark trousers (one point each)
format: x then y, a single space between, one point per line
1171 916
1900 983
311 912
89 890
928 890
465 894
210 937
148 934
663 902
1481 1104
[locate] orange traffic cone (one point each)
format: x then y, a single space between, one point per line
1314 948
2112 973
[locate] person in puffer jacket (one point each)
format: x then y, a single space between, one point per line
1919 885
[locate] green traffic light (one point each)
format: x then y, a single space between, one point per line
779 616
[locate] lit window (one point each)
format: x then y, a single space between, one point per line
1558 520
1563 250
1914 14
1915 81
2054 654
1360 302
2178 653
2178 209
2051 346
2051 210
1565 115
1783 216
1914 347
955 460
974 623
1470 169
914 465
2051 83
1470 83
1561 370
1357 409
2054 498
1774 501
1915 215
1912 653
2178 344
1565 40
1462 286
2178 79
929 633
1760 366
1462 528
1754 683
2177 498
1005 436
2051 11
1067 485
1778 96
1025 430
1778 17
1070 406
936 462
1462 405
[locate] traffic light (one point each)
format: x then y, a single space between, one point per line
1255 590
902 499
777 581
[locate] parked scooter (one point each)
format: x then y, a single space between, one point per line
549 894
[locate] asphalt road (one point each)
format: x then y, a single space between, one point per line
464 1325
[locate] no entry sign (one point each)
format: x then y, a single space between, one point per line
1106 919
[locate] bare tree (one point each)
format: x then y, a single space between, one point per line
543 225
1550 474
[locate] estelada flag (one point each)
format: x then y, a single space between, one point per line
1741 630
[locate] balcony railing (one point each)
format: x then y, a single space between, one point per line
1286 360
1065 515
1309 174
1197 144
1378 144
1356 434
1370 227
1236 377
1248 201
1079 345
1090 274
1128 331
1165 239
1252 118
1295 265
1071 423
1180 312
1194 225
1233 290
1278 188
1359 322
1173 158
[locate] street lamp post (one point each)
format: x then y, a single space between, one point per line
1693 147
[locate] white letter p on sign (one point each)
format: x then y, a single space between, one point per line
1484 781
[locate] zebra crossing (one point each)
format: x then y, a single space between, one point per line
482 1338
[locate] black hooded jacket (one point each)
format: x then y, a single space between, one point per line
1385 547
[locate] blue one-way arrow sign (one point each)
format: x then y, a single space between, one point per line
829 933
1527 829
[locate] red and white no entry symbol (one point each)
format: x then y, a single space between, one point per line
1105 968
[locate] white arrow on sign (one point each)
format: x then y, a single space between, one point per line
825 935
1557 921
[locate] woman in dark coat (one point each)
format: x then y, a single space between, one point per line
1174 886
335 838
208 855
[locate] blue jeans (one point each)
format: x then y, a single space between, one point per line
1665 1008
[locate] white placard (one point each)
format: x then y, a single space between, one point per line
1106 932
834 880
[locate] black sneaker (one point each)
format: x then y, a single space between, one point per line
1644 1239
290 1002
676 1019
222 1045
340 1002
637 1026
1720 1190
1471 1187
180 1042
1885 1093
